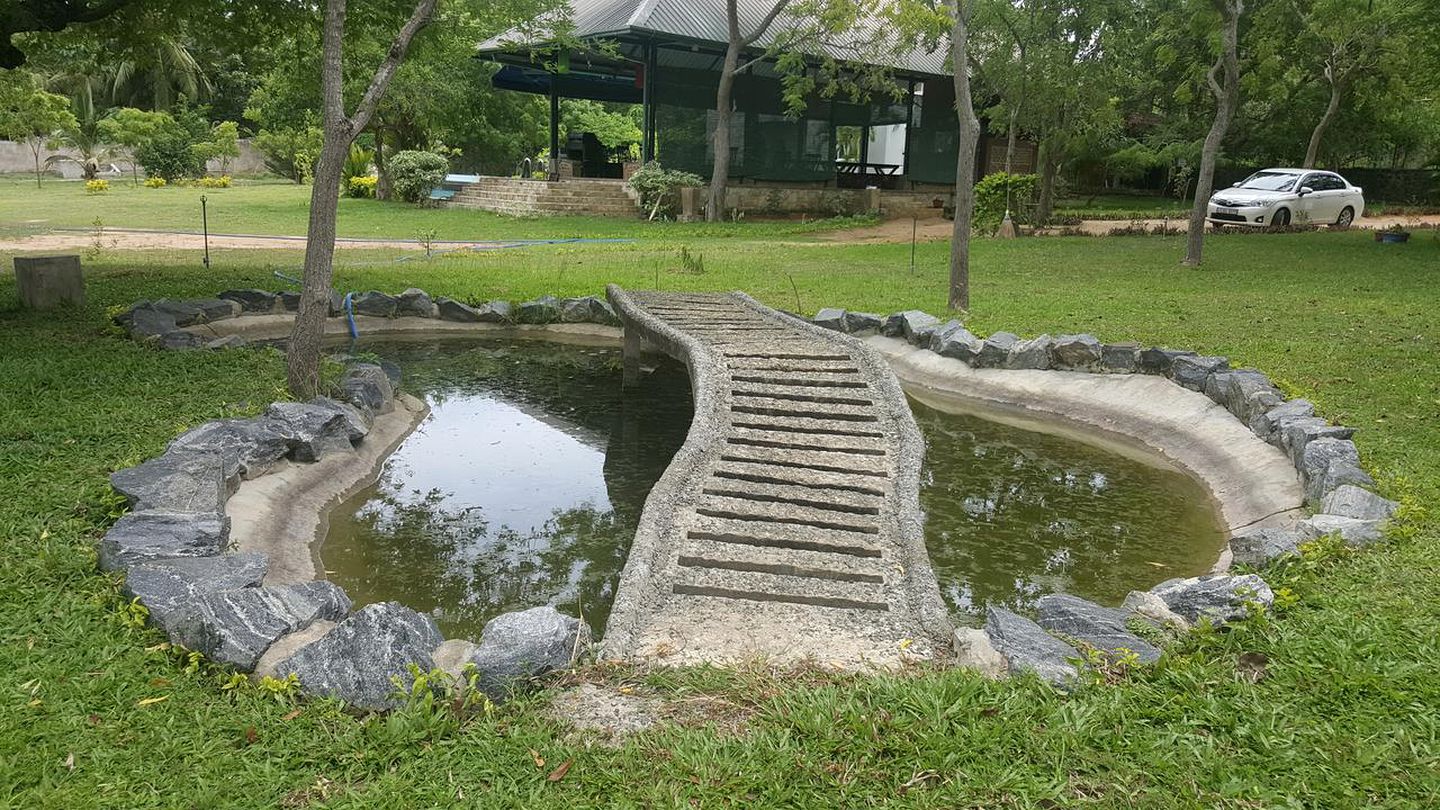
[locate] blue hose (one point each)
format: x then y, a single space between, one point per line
350 315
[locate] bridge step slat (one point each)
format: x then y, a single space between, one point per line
765 587
771 535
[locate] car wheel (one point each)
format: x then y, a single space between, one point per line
1281 219
1347 217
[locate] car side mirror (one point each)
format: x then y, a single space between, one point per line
1305 190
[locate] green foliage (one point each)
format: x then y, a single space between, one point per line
357 163
413 174
291 152
30 115
998 192
613 128
659 187
361 187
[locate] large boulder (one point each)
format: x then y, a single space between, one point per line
831 318
489 312
858 322
995 350
1031 354
1120 358
180 340
545 309
145 322
310 431
955 341
1028 648
1354 531
360 658
1244 392
1327 464
197 310
1158 360
1220 598
1267 424
414 303
259 301
140 537
588 309
178 482
235 627
1348 500
1075 352
1100 627
171 588
367 386
357 421
1191 371
253 442
1257 547
517 647
912 324
1296 435
375 304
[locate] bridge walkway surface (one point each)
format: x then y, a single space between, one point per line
788 526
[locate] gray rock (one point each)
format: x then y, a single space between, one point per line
414 303
144 321
1328 463
357 422
359 659
912 324
367 386
254 443
975 650
1257 547
1031 354
545 309
859 322
831 318
375 304
1246 392
289 300
1027 647
1153 609
1120 358
171 588
1348 500
954 340
310 431
1354 531
995 350
489 312
1075 352
259 301
1221 597
453 657
235 627
177 482
1158 360
588 309
179 341
144 536
1101 627
197 310
1267 423
516 647
226 342
1296 434
1191 371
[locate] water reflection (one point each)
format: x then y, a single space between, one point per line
1013 515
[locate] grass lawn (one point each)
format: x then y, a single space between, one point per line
1346 715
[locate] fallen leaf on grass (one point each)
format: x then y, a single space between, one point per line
251 735
560 771
539 760
150 701
291 715
1252 666
70 761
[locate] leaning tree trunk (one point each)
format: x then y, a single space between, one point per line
1312 152
382 175
720 168
1227 99
959 298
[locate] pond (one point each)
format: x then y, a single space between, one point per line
524 485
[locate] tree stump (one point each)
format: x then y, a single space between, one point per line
46 282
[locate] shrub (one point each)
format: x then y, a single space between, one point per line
97 186
170 155
223 181
155 182
413 174
991 197
290 152
361 187
659 187
357 163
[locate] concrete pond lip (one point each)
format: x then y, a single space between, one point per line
1262 457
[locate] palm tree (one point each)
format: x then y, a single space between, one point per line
87 149
158 76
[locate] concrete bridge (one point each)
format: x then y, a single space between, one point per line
788 526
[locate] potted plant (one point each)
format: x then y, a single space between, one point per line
1395 235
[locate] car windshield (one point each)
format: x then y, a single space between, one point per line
1269 181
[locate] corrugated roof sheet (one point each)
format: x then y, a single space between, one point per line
696 20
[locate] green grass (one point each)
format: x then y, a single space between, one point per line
1348 714
1121 206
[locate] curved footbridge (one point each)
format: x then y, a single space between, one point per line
788 526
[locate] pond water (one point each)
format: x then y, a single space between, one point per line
525 483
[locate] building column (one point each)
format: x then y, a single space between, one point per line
909 125
647 89
554 125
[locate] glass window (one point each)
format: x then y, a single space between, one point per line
1269 181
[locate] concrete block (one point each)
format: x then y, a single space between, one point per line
46 282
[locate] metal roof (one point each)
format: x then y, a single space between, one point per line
701 21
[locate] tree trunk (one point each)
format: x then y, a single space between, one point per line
1049 168
35 150
959 298
720 168
1010 141
382 175
1312 152
1227 99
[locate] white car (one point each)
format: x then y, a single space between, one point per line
1280 197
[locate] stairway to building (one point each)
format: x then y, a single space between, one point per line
571 196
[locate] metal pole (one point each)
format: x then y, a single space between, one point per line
914 225
205 226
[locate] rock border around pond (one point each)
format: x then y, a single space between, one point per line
175 549
1069 629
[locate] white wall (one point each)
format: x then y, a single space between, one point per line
16 158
